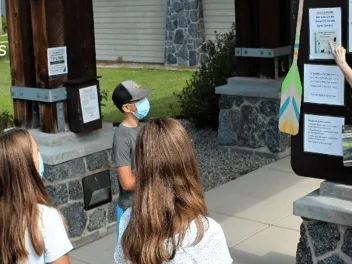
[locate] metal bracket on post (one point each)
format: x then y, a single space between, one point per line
44 95
60 117
263 53
39 94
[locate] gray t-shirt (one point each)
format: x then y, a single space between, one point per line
123 149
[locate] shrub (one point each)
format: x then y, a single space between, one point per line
4 24
103 99
198 100
6 120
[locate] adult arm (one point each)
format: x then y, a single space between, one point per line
339 54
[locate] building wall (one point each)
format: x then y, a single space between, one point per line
137 30
218 16
3 8
130 30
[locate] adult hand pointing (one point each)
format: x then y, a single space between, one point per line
339 53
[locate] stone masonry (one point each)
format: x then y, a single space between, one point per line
324 243
185 36
251 122
64 186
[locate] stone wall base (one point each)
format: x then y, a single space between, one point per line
324 243
68 159
251 123
82 241
249 116
326 231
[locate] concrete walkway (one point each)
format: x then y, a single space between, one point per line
255 212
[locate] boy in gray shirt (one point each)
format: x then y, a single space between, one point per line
132 101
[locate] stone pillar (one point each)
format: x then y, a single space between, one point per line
249 117
185 36
68 158
326 231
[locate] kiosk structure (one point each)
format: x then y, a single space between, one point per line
317 151
57 97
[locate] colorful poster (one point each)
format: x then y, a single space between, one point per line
324 26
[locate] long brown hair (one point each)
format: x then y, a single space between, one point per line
21 190
168 194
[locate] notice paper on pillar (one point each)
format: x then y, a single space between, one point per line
323 85
324 26
89 103
57 61
323 134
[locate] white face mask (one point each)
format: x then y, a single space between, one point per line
41 165
143 108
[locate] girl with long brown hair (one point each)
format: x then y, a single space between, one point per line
168 221
31 230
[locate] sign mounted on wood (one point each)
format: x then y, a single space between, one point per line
84 104
57 61
317 149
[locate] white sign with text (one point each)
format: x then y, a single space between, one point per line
323 84
57 61
323 134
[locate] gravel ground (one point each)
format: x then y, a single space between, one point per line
217 167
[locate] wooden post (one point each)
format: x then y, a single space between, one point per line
262 24
35 26
48 31
246 36
80 38
21 57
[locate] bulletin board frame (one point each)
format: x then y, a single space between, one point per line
309 164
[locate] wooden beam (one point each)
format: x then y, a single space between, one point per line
270 36
48 20
21 58
80 38
246 36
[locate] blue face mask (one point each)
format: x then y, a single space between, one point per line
143 108
41 165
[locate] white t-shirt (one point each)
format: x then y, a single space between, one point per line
211 249
56 242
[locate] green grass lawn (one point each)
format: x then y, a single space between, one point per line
3 37
163 82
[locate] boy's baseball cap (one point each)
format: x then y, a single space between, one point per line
128 91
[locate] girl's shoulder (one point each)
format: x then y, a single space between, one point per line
49 217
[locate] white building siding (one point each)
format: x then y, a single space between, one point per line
218 16
131 31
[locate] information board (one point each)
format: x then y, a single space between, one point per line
326 101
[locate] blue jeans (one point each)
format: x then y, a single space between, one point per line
119 212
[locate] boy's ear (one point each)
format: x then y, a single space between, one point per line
126 108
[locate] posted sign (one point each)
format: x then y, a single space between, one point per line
57 61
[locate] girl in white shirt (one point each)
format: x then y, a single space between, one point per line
168 222
31 230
